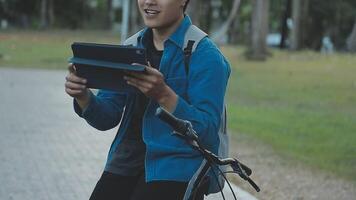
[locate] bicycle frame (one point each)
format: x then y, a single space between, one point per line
195 181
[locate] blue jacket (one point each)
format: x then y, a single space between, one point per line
201 101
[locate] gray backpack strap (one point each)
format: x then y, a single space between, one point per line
133 40
191 40
193 34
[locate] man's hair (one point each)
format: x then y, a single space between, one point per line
185 6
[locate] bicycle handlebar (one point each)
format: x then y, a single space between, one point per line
180 126
177 124
184 128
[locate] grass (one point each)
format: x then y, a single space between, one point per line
50 49
302 104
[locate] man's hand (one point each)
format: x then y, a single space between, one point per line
152 84
76 88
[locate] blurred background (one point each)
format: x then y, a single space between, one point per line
291 97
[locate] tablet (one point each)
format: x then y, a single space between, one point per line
104 65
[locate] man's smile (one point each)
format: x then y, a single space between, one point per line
151 12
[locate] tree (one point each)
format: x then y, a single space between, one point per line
43 13
259 30
194 11
136 22
200 12
21 13
125 19
51 15
46 13
205 18
296 32
110 14
351 41
284 25
72 13
223 30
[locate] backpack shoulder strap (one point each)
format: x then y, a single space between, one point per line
133 40
193 34
191 40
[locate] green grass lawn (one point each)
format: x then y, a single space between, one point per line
49 49
302 104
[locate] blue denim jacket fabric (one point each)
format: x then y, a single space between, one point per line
200 100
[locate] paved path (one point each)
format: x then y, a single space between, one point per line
46 151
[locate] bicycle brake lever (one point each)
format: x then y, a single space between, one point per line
239 168
189 136
189 132
253 184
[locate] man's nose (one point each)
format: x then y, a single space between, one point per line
150 2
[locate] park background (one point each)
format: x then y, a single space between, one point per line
292 91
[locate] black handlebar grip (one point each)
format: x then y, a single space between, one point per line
178 125
246 169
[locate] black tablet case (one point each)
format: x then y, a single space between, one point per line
104 65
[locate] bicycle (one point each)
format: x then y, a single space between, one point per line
184 129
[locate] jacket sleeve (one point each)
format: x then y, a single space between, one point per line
207 81
104 110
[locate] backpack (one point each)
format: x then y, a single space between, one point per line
191 40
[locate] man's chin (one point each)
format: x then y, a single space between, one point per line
152 25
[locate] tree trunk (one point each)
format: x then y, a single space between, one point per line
43 14
299 15
110 14
51 16
284 25
296 15
205 17
219 35
351 41
2 9
125 20
259 30
135 19
234 32
193 11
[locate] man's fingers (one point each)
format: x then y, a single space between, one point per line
142 82
75 86
133 80
74 78
73 93
151 70
71 68
141 77
138 64
149 64
143 86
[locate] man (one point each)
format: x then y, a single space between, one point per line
145 161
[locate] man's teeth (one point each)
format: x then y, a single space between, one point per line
152 12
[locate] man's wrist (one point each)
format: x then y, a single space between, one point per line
168 100
84 100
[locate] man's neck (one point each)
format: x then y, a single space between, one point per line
160 35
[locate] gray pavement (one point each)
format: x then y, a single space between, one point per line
46 151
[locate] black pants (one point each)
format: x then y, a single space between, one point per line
115 187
